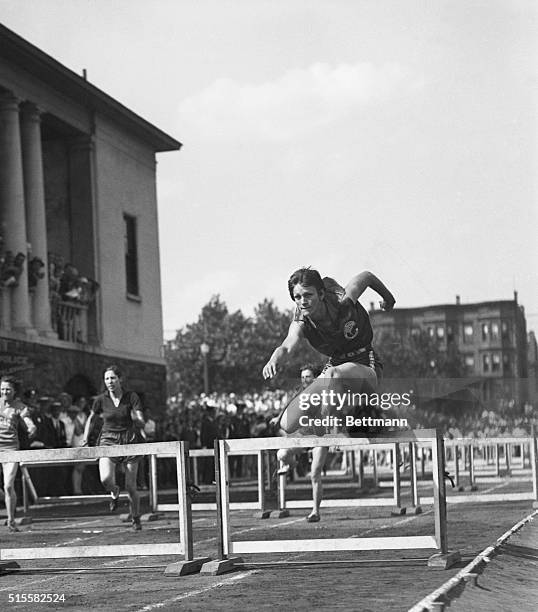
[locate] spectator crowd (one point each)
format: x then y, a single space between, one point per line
60 422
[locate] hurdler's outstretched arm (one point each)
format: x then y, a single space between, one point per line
282 352
358 285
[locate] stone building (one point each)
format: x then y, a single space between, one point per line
79 281
490 336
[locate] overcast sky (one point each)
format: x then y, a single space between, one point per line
399 137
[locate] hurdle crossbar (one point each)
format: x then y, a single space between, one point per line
194 454
357 502
516 472
183 547
28 486
227 546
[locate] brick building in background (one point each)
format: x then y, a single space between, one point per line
80 278
490 336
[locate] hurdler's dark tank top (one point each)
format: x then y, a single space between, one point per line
350 329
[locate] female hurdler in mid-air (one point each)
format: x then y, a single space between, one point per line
333 322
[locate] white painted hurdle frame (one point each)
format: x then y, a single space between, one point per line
28 485
358 502
183 547
227 546
507 443
194 454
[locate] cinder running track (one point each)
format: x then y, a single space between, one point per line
381 582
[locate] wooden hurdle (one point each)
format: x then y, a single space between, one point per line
259 505
486 446
490 447
227 547
394 502
29 490
184 547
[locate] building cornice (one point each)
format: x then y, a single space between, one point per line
30 58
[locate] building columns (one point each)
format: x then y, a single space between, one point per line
12 206
34 193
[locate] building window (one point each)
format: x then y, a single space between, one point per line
469 361
449 333
507 364
505 330
431 332
485 332
495 362
440 333
131 255
494 331
485 363
468 332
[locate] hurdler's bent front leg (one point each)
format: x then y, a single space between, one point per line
286 456
330 394
308 403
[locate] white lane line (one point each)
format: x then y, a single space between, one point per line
266 526
73 525
216 585
403 521
499 486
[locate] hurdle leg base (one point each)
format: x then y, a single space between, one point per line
148 517
5 566
262 514
151 516
184 568
474 487
220 566
471 579
283 513
22 520
460 488
417 510
398 510
444 560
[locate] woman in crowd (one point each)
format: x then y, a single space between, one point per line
117 407
13 414
333 322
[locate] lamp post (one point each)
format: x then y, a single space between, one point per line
204 349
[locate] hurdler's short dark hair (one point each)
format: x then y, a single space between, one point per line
305 276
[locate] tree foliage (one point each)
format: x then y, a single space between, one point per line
239 347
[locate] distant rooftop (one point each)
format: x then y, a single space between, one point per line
454 305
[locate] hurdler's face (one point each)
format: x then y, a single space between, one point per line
309 300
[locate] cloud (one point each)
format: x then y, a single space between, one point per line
298 102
